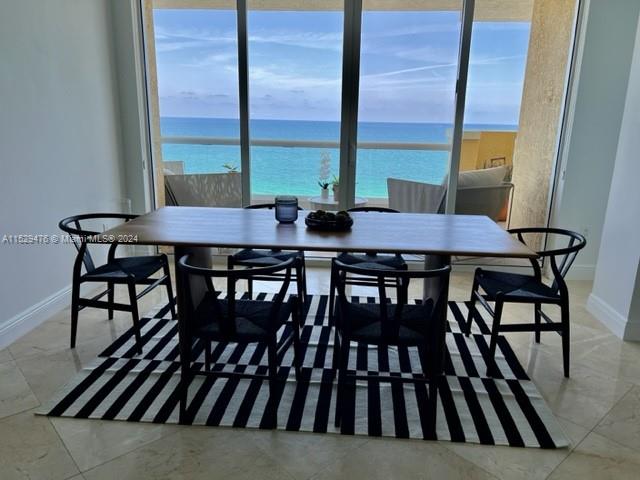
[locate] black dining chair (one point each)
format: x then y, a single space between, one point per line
209 318
387 324
505 287
251 257
365 260
129 271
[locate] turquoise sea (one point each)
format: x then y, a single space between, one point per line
294 170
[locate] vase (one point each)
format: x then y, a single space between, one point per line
324 193
336 194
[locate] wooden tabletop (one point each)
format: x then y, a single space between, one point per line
469 235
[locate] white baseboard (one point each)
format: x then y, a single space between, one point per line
612 319
33 316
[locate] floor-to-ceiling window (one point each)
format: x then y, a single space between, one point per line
406 107
295 64
195 115
390 129
497 64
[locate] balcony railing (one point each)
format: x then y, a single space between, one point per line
303 143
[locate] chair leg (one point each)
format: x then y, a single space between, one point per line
433 408
332 297
304 279
472 305
75 300
134 314
335 360
300 286
273 378
207 356
342 373
537 317
184 392
403 294
297 359
110 295
565 337
185 381
172 299
250 287
495 330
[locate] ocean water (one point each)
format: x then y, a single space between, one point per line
295 170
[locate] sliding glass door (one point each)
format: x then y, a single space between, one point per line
406 107
195 120
295 61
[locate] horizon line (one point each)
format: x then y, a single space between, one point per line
332 121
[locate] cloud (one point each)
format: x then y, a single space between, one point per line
427 53
441 27
315 40
477 61
283 81
181 39
215 59
410 70
178 39
491 60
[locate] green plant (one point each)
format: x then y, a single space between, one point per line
323 184
230 167
335 181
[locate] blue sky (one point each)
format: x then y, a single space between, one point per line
408 66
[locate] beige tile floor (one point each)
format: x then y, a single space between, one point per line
599 407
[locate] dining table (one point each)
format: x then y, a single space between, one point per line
196 230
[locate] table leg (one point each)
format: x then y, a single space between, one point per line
432 287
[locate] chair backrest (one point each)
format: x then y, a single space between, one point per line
73 226
268 206
566 245
414 197
435 309
226 319
373 209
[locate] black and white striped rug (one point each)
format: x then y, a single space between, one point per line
504 410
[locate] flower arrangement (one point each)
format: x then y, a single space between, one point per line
325 170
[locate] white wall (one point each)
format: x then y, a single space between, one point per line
602 76
59 144
615 299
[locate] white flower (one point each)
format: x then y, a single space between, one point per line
325 166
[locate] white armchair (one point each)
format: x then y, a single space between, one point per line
480 192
